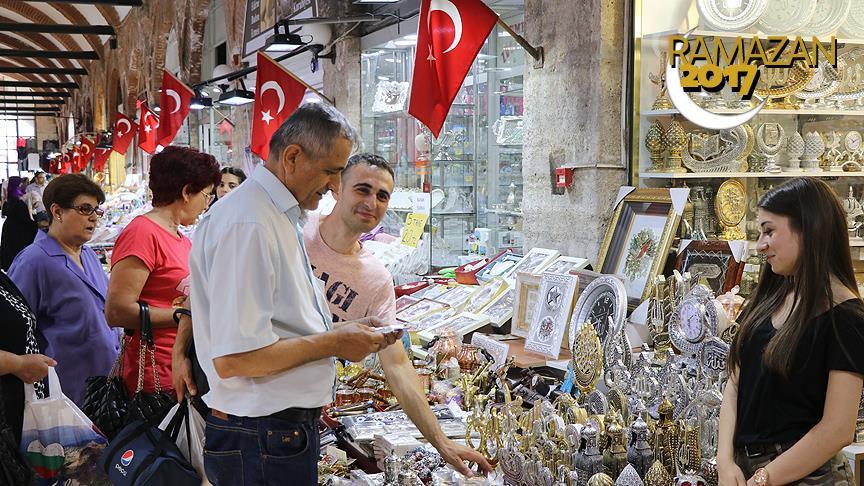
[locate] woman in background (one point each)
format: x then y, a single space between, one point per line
19 229
231 177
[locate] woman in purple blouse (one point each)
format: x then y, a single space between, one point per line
65 285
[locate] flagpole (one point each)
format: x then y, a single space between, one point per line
535 52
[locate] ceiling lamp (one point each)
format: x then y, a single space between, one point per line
200 102
283 42
237 97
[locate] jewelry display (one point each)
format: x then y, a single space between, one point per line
675 140
731 206
721 152
656 145
795 149
814 147
770 139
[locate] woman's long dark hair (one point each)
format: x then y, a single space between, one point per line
815 212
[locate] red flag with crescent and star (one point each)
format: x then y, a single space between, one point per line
99 158
147 128
277 95
75 160
85 153
175 101
65 163
445 52
124 132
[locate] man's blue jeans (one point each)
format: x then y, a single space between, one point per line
244 451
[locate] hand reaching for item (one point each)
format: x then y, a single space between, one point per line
456 455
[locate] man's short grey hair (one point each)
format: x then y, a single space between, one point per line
314 127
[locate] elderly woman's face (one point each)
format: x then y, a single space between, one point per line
77 223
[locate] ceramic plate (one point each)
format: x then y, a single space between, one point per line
786 16
730 15
828 17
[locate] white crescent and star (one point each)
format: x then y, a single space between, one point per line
450 9
278 89
695 113
176 97
147 127
120 122
85 146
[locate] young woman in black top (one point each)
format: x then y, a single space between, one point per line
796 366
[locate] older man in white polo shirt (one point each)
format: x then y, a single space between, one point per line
262 330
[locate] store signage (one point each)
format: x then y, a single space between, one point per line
413 230
700 63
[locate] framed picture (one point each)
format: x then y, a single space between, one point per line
566 264
419 309
497 349
527 287
536 260
460 324
485 294
457 296
405 301
638 238
551 314
432 320
500 310
502 266
432 291
715 261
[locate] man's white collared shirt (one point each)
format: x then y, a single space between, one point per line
251 286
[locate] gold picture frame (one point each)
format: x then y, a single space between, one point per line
638 239
527 289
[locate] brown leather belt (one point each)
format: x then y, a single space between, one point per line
299 415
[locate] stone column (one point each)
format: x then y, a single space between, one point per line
573 116
342 80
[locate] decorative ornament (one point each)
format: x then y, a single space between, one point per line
814 147
721 152
662 102
654 142
629 477
676 141
730 16
639 453
586 358
833 157
770 139
657 475
731 206
795 149
601 479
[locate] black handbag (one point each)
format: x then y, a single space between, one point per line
106 399
148 407
13 470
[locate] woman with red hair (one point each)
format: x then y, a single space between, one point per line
150 258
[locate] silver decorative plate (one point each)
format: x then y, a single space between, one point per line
853 26
828 17
603 298
693 322
786 16
730 15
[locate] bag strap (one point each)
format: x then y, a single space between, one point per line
164 439
54 389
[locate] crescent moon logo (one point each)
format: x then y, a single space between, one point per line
278 89
698 115
176 97
448 8
146 114
85 149
121 122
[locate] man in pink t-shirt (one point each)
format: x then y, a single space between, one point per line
356 283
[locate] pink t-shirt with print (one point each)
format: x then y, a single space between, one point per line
356 285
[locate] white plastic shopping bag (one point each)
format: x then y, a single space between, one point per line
192 447
59 441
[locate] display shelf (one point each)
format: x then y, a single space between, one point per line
767 111
452 213
505 212
746 175
745 35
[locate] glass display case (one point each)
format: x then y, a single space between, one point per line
469 179
810 114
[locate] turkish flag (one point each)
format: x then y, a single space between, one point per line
65 162
147 127
174 102
444 54
54 166
277 94
74 161
124 132
85 153
99 159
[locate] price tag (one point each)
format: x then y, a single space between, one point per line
413 230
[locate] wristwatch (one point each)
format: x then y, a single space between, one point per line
760 477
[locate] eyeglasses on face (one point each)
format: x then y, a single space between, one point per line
87 210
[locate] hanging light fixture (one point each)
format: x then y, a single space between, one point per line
283 42
237 97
